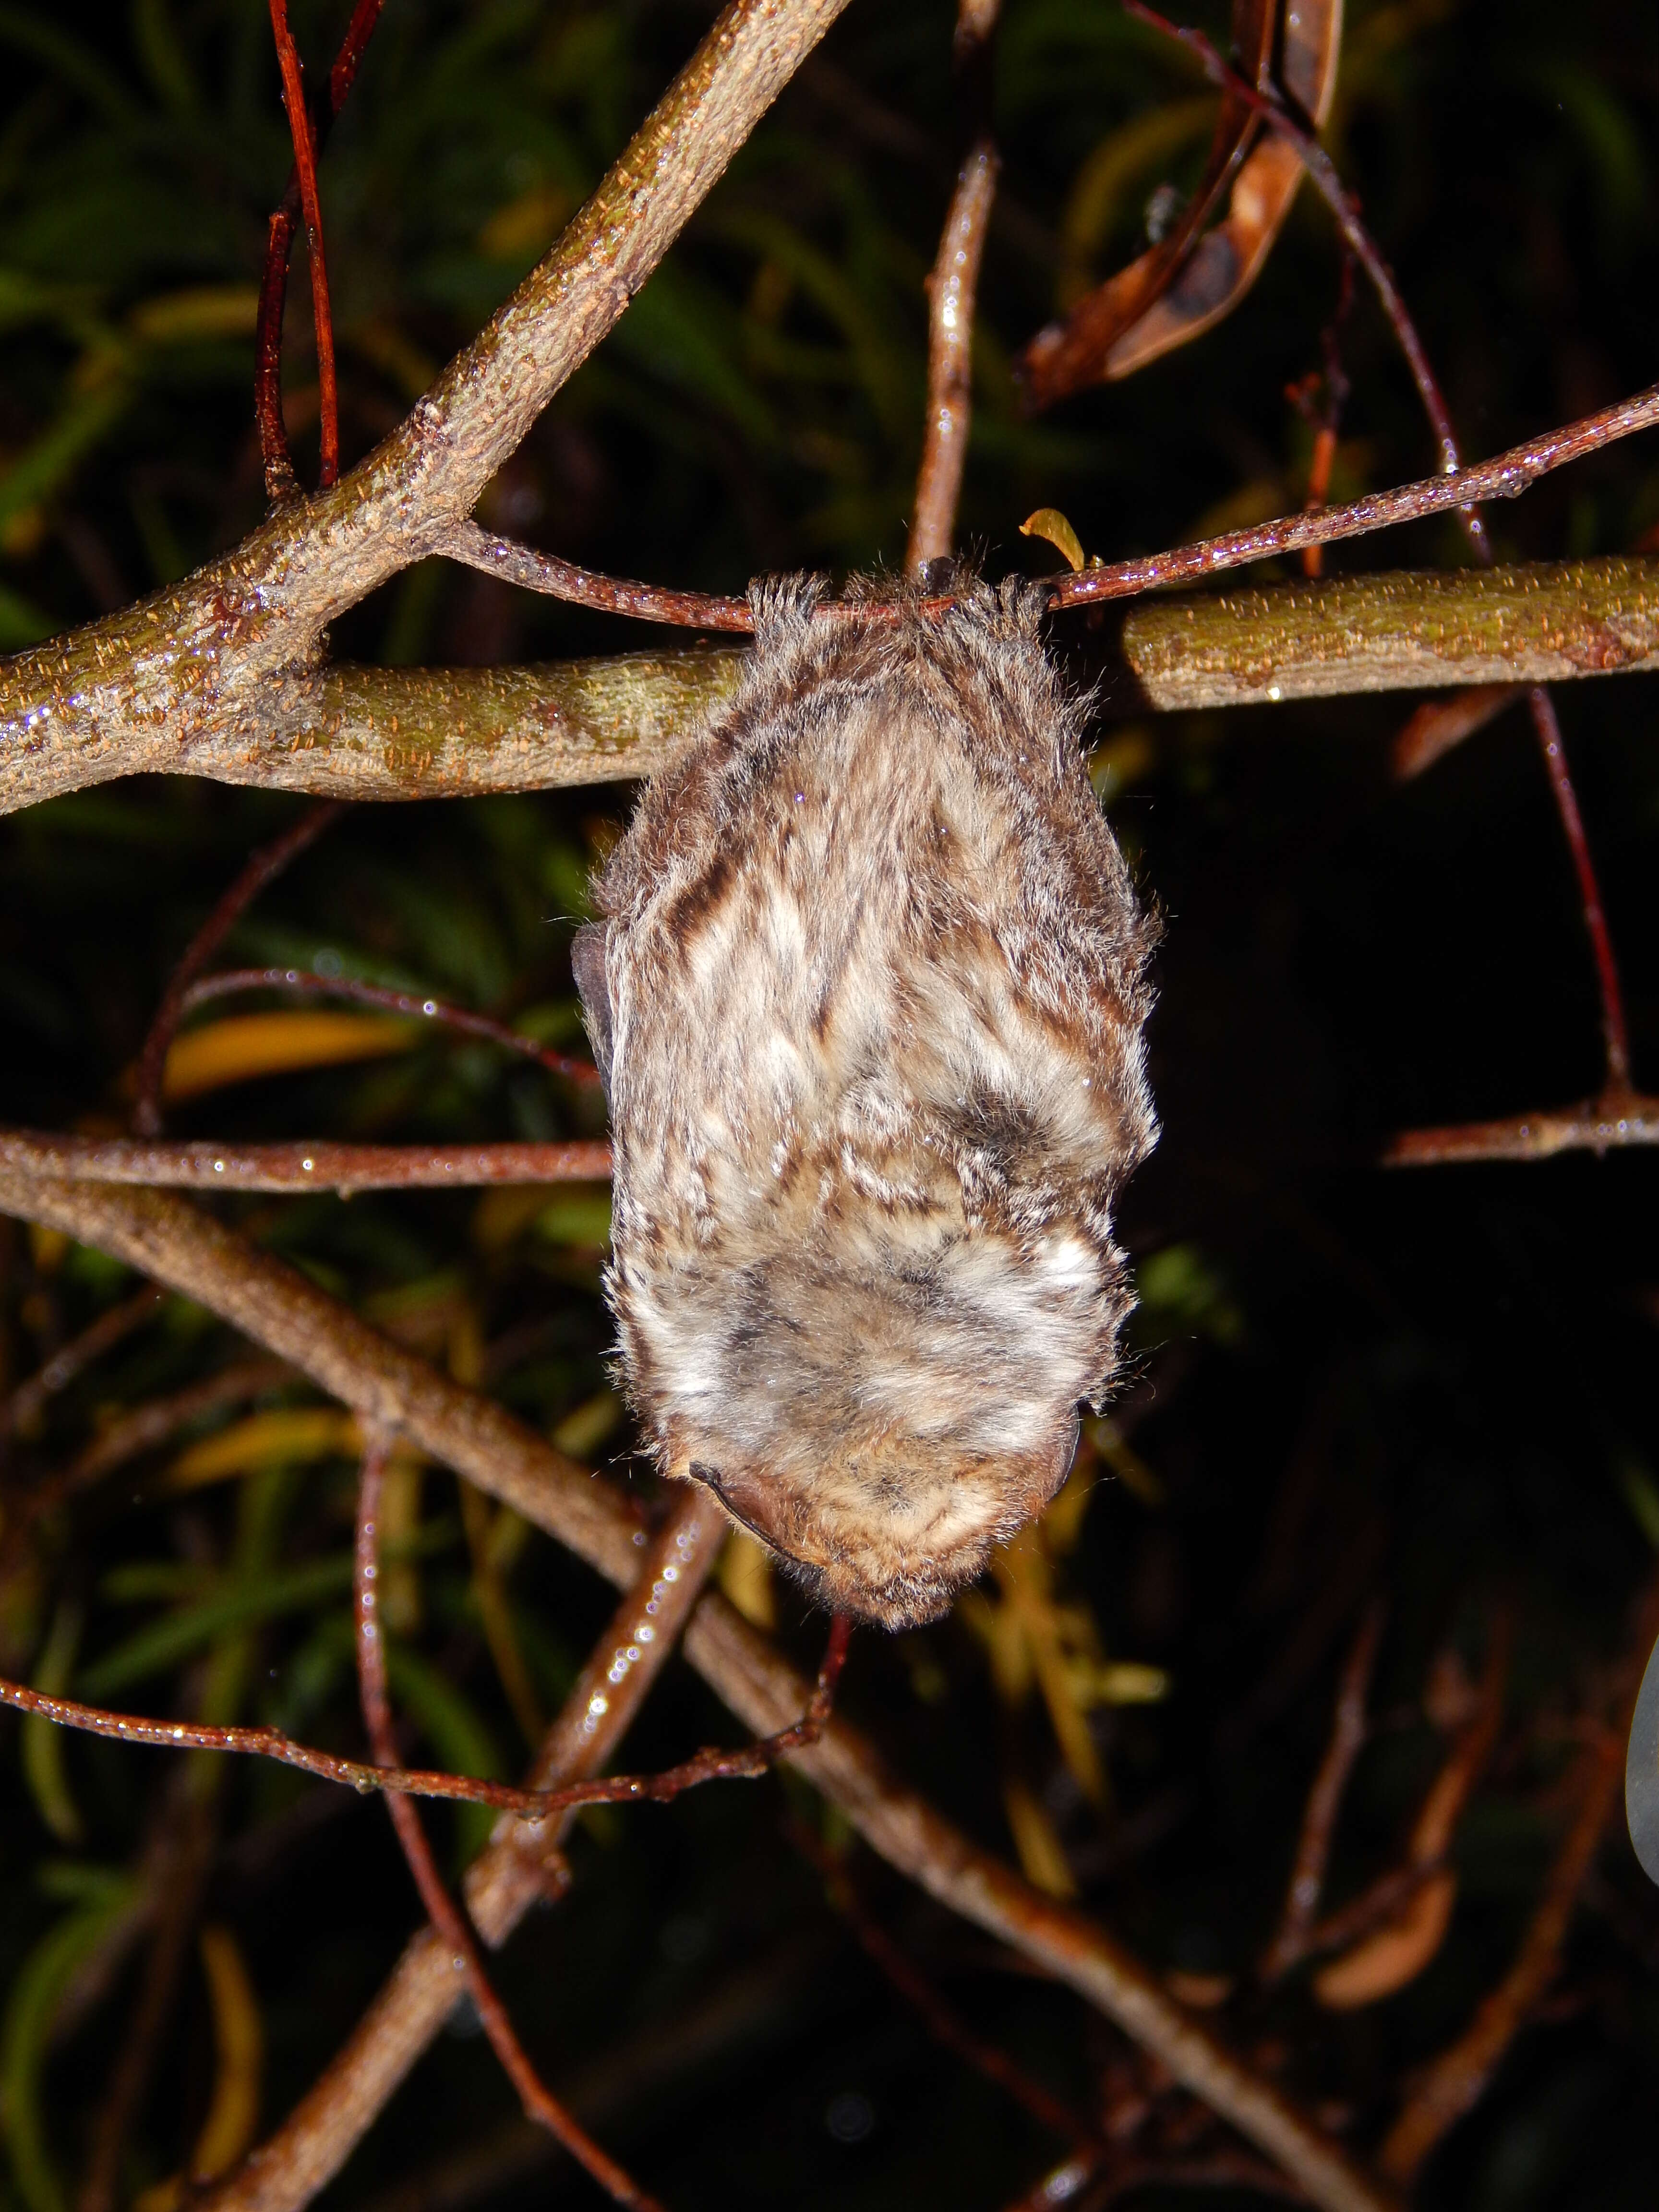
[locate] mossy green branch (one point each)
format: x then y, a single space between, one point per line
1396 632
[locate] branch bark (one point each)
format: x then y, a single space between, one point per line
358 732
1403 630
175 1243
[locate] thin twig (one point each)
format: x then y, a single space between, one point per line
943 2022
1606 1124
203 1164
561 580
234 981
261 870
1615 1027
951 290
1323 171
28 1401
713 1764
450 1922
280 483
519 1867
310 208
1506 476
1456 2081
1313 1850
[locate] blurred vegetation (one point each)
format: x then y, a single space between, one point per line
1436 1388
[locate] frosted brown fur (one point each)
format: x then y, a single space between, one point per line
869 998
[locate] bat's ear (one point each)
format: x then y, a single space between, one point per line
587 966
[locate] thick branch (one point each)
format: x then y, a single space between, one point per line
161 676
1400 631
274 1304
354 733
431 733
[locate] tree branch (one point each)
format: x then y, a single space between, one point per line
1400 630
387 734
200 656
200 1163
351 733
276 1306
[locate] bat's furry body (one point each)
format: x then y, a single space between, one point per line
869 1000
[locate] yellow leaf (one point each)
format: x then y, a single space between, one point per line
1395 1954
281 1437
233 2117
1042 1854
1048 522
586 1427
246 1045
745 1574
204 311
1126 1682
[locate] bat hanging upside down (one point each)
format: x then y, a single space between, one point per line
868 999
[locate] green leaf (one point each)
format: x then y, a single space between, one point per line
25 2036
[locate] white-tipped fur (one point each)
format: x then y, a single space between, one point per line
869 1001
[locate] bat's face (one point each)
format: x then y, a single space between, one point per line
868 1002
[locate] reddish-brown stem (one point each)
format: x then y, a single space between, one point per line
1615 1030
1601 1125
1323 171
1348 1732
237 980
311 210
1456 2079
205 1164
713 1764
29 1400
446 1916
280 480
262 870
943 2022
1506 476
561 580
951 291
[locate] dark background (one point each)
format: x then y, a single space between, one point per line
1437 1387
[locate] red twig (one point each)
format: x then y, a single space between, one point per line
1348 1732
205 1164
237 980
1323 171
280 480
1506 476
1615 1030
262 870
311 209
561 580
446 1916
712 1765
943 2022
